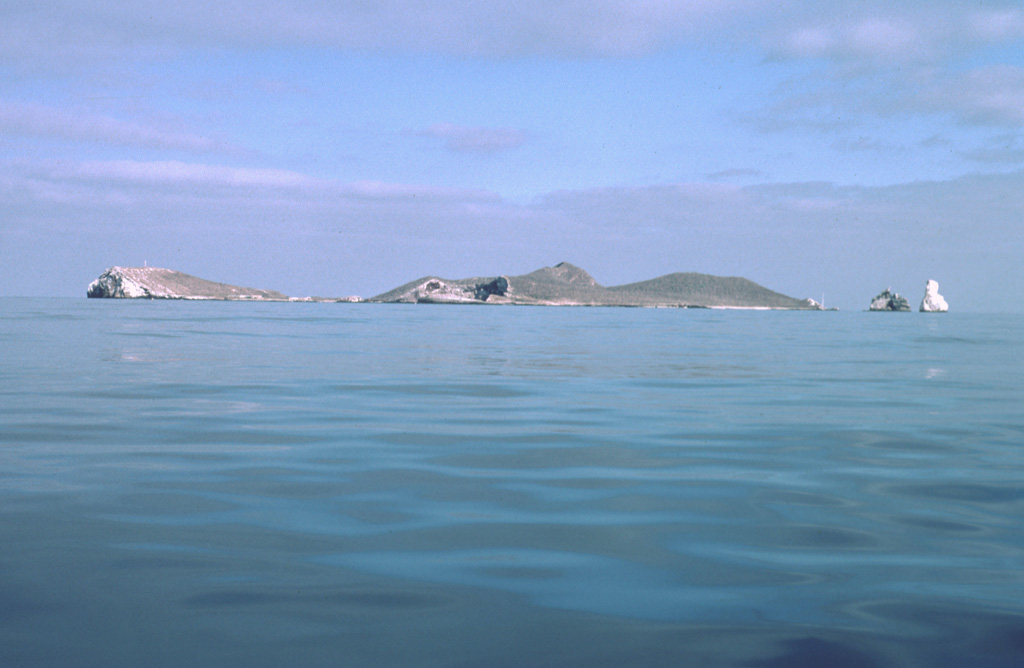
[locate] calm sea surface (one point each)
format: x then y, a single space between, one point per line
241 484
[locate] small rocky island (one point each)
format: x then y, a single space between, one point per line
568 285
933 302
154 283
888 300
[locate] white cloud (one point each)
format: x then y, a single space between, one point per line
738 173
875 61
55 31
872 38
888 39
1003 149
172 181
475 139
37 120
998 25
177 173
986 96
889 33
809 42
51 29
402 191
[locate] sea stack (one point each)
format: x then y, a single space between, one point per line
933 302
889 301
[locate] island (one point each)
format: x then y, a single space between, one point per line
567 285
561 285
155 283
933 302
887 300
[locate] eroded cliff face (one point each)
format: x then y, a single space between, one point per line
156 283
437 291
119 283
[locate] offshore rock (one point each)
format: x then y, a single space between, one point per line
156 283
933 302
889 301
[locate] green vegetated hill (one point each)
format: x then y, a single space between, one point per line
568 285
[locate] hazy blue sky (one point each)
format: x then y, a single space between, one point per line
832 147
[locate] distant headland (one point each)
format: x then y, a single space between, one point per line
154 283
561 285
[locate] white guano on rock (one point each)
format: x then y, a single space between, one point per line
933 302
157 283
887 300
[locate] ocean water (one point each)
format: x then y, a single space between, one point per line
245 484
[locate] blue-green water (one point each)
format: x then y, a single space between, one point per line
240 484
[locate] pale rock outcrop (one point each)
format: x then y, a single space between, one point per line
889 301
436 291
933 301
118 283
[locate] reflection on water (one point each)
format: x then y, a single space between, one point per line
325 485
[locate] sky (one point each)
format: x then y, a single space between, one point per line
822 148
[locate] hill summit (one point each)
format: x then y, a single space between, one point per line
563 272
